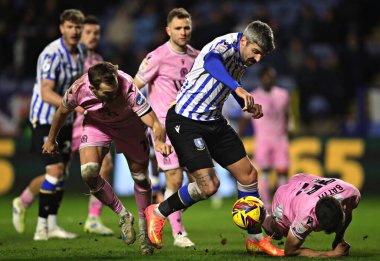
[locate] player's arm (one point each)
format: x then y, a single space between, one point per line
348 205
48 94
51 146
159 133
213 64
140 84
293 248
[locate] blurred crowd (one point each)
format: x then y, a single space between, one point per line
327 52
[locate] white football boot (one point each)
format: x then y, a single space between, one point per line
59 232
183 241
95 225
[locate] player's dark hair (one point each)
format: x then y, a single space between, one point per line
180 13
267 69
329 214
103 72
261 34
72 15
91 19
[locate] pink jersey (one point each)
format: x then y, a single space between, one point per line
275 108
122 113
294 203
164 71
91 60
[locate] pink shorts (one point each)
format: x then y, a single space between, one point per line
77 132
169 162
277 209
131 141
272 153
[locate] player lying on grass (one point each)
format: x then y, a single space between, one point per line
311 203
115 111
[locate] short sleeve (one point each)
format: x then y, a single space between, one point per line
49 68
223 49
69 100
148 69
301 228
138 101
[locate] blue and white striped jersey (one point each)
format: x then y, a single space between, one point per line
202 96
54 63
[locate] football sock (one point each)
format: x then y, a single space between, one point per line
94 206
175 218
26 198
282 179
143 196
47 196
52 222
103 191
247 190
183 198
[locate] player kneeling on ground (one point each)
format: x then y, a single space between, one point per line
311 203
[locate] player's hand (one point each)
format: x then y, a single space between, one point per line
249 102
163 148
342 249
257 111
50 147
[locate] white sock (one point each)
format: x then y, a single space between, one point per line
52 222
41 223
256 237
157 211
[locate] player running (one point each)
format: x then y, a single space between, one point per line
115 111
58 66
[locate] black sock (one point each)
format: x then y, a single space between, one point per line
56 202
170 205
45 203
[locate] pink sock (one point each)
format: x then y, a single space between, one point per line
143 196
103 191
265 193
26 198
175 218
94 206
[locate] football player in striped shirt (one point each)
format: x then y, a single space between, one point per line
58 66
199 133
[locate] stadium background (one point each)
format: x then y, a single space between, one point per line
327 55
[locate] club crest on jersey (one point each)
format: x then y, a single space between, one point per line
183 72
46 65
140 99
199 143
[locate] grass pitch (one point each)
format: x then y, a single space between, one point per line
212 230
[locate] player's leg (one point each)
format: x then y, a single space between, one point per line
228 150
174 178
21 203
193 154
143 197
93 222
157 196
91 158
51 190
282 161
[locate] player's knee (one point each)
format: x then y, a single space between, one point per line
140 178
89 170
56 170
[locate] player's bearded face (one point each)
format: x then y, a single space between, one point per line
90 35
70 32
179 31
250 53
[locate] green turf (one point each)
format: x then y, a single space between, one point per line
212 230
